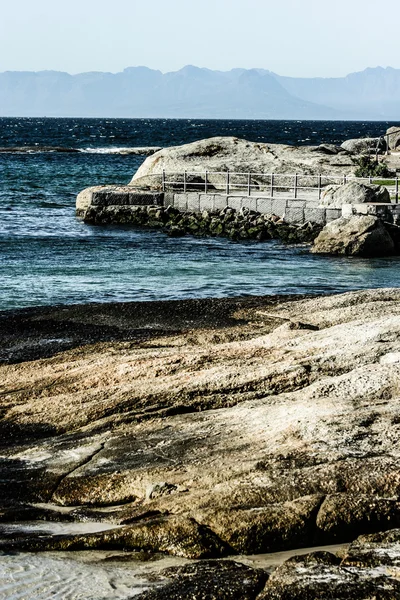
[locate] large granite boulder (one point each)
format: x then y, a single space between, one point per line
203 427
394 137
358 235
241 156
364 145
353 192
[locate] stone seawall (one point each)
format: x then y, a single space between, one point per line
215 214
242 224
293 211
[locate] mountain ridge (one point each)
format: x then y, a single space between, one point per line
194 92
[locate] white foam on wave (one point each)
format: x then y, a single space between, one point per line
105 150
140 150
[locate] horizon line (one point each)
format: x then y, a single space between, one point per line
266 71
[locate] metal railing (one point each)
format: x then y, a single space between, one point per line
269 185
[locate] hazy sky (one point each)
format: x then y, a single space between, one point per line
291 37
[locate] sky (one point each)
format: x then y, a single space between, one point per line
299 38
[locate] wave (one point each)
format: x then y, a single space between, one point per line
136 150
143 150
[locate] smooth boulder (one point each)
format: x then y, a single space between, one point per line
364 145
353 192
220 154
394 137
358 235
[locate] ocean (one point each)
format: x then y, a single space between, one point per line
49 257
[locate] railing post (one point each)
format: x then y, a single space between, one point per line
319 186
370 180
163 180
227 183
345 179
272 185
295 186
397 190
205 183
184 182
249 184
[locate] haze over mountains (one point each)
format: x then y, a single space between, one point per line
192 92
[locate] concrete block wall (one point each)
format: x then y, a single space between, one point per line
294 211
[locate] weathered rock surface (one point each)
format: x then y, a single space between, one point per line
364 145
359 235
320 575
394 137
346 516
241 156
175 535
353 193
376 550
259 424
369 569
210 580
270 528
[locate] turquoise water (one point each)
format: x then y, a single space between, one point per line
49 257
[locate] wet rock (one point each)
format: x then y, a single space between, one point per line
176 231
29 512
354 236
394 232
209 580
236 225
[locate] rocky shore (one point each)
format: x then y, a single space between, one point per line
208 429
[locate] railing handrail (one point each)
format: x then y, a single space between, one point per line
228 184
275 174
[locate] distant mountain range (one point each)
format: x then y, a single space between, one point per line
373 94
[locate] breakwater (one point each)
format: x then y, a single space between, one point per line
235 217
199 215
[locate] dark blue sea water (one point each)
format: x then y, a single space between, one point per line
48 257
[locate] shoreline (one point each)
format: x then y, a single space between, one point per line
38 332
